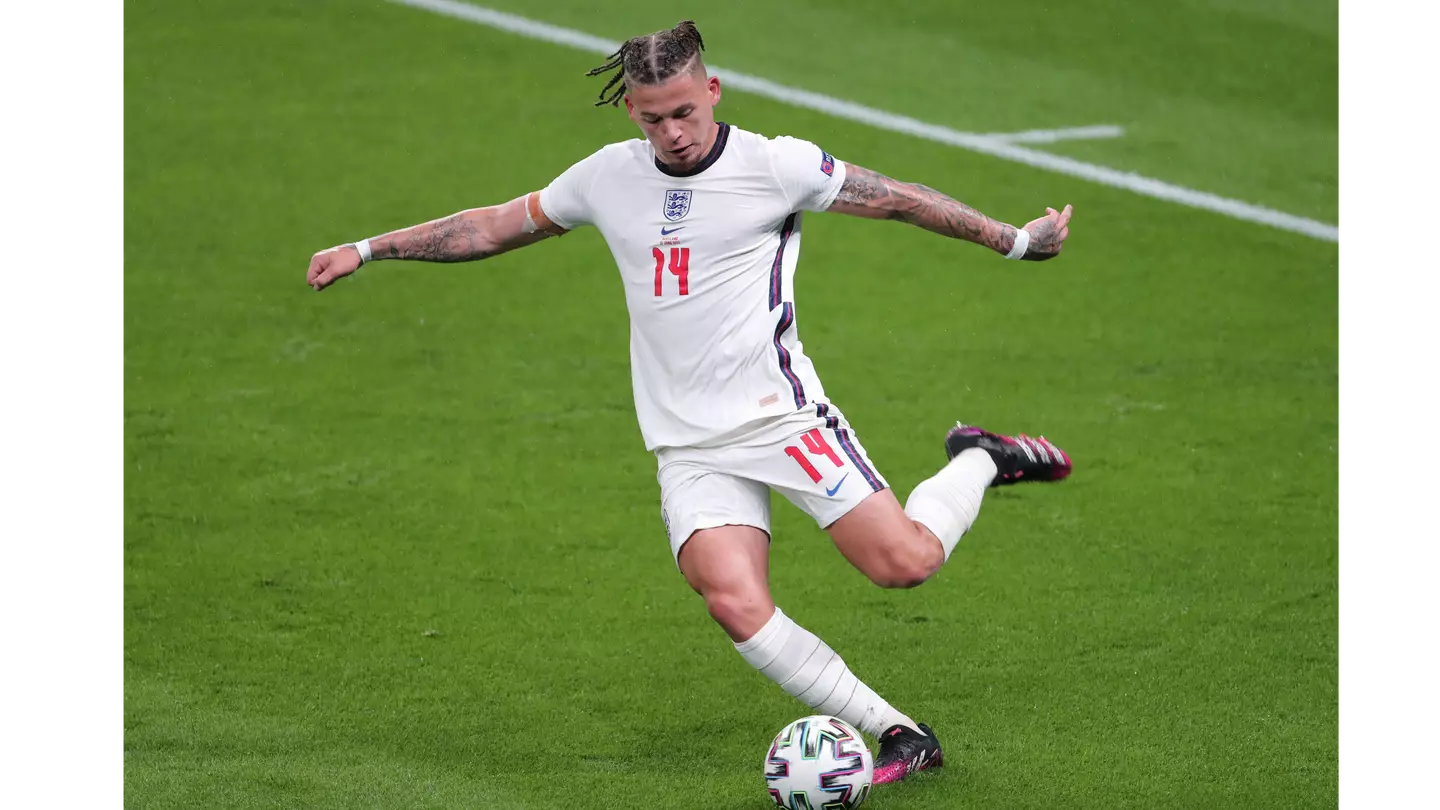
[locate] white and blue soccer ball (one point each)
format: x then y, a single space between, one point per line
819 763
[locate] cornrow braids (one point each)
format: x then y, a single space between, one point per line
649 59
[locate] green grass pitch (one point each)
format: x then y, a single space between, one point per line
399 544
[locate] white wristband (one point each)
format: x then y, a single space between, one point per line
363 246
1022 242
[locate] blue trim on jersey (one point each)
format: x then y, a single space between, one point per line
822 410
706 162
775 267
849 449
787 317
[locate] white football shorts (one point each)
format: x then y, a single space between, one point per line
811 456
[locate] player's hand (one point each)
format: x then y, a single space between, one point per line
329 266
1047 235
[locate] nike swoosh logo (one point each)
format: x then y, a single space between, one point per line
665 232
831 492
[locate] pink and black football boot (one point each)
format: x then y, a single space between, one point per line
903 752
1017 458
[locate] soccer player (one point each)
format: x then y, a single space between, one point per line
704 222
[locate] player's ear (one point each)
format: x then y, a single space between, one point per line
630 108
713 85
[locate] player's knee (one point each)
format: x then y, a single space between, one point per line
907 563
741 613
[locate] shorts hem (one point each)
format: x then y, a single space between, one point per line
712 521
828 520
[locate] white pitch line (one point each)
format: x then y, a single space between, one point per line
974 142
1053 135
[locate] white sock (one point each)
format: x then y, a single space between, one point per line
948 502
809 670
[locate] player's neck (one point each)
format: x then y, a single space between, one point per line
710 139
707 154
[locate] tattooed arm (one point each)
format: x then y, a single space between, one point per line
478 233
874 196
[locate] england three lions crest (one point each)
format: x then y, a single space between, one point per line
677 204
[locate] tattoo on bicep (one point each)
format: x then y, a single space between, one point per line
867 189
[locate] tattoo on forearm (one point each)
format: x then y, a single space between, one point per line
452 239
923 206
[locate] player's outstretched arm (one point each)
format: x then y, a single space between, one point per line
874 196
468 236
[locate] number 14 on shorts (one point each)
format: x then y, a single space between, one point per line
815 443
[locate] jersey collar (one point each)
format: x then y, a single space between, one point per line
705 162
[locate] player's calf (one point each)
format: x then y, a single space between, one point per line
889 548
905 561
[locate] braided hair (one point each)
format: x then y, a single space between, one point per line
649 59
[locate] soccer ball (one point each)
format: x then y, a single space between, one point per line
819 763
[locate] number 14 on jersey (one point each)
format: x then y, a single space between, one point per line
679 265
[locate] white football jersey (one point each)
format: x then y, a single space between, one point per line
708 259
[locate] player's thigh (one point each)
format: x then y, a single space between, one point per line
730 567
719 526
729 557
696 494
827 473
880 540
